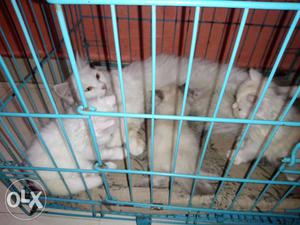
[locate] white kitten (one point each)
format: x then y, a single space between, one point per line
270 109
79 137
205 87
137 78
165 134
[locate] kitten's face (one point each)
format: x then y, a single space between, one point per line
95 82
246 96
244 105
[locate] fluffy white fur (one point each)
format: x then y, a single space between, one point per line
137 78
270 109
79 137
206 84
165 134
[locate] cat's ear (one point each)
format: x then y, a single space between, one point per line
255 75
159 96
63 91
197 93
80 61
251 98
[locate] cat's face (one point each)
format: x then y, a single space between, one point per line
243 105
95 83
246 95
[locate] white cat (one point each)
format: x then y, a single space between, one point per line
270 109
137 78
205 87
165 133
80 140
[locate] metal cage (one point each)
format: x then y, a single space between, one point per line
38 41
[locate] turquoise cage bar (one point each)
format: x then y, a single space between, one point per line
47 69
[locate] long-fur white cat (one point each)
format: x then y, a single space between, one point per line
165 133
270 109
137 79
205 88
78 134
97 83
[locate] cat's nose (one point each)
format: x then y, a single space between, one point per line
104 87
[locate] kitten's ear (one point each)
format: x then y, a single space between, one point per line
255 75
251 98
63 91
159 96
197 93
80 62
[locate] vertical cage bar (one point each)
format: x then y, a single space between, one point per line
222 92
34 55
47 88
50 64
209 33
163 31
83 36
95 30
18 71
129 33
67 40
26 60
174 32
258 103
32 122
153 47
63 78
186 89
121 81
75 26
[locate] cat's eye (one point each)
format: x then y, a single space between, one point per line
97 76
89 88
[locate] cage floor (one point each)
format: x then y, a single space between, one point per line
215 162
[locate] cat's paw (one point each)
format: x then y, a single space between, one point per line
291 177
238 160
137 146
136 141
111 165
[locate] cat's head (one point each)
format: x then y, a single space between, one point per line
95 83
168 99
248 93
